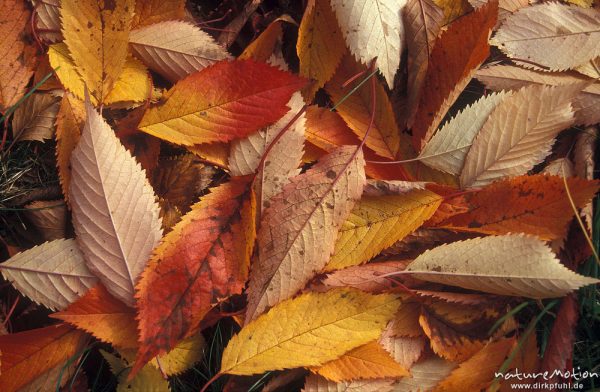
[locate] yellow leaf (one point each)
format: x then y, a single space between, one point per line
453 8
308 330
183 356
364 362
71 117
133 84
316 383
147 379
320 45
97 34
376 223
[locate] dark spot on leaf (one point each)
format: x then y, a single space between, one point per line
331 174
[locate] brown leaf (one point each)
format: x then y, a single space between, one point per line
298 230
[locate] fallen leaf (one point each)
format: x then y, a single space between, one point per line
320 45
53 274
149 12
27 355
175 49
423 22
384 137
264 45
373 30
535 205
49 218
453 9
365 277
365 362
224 108
518 134
456 55
297 231
18 58
315 383
553 35
447 149
283 161
102 315
559 352
586 105
477 372
47 20
69 122
132 84
376 223
183 356
425 375
96 36
202 260
514 265
115 215
449 340
148 378
34 119
404 350
331 323
144 148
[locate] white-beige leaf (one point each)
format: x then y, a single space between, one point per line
175 49
515 265
53 274
518 134
554 35
586 104
115 216
373 29
298 231
447 149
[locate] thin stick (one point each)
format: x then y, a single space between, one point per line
212 380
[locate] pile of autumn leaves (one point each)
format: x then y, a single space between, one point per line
362 270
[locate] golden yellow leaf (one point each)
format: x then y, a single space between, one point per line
96 34
216 153
320 45
149 12
147 379
376 223
364 362
453 8
132 85
183 356
308 330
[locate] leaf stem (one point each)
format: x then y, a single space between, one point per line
212 380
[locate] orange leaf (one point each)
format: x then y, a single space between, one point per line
221 102
18 58
263 46
476 373
27 355
104 316
320 45
457 54
204 259
366 277
364 362
446 340
148 12
535 205
384 137
70 120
